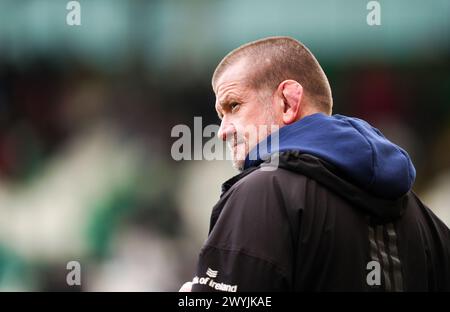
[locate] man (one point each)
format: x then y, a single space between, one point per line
338 213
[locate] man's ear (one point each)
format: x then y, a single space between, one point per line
291 93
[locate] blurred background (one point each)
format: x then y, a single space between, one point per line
86 113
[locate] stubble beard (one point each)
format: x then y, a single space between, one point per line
239 145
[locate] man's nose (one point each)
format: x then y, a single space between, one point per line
226 130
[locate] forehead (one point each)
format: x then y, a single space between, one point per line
233 81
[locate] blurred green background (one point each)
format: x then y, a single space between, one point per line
86 114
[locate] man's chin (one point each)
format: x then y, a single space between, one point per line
238 164
238 156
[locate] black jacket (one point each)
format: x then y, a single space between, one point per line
303 228
337 214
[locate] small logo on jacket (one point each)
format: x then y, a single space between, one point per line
209 281
211 273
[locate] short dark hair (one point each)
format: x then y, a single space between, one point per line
276 59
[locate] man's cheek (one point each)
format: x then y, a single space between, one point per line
241 151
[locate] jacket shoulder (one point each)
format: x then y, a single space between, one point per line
267 179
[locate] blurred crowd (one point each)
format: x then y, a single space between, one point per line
86 172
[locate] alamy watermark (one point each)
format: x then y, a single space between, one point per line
373 278
189 145
73 17
374 16
73 277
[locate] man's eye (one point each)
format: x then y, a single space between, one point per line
234 106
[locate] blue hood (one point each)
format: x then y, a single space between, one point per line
359 151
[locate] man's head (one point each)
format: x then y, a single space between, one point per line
269 82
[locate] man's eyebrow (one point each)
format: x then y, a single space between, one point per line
227 100
225 103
